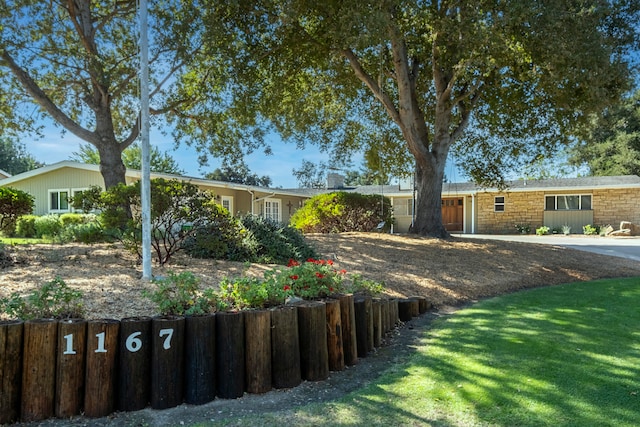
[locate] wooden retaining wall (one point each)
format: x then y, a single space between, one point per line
65 368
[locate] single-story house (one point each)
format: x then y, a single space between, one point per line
52 186
466 208
4 174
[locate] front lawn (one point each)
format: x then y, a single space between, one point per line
561 356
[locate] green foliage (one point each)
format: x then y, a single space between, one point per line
566 229
131 156
359 285
67 219
270 242
339 212
250 292
220 238
90 232
47 226
240 174
541 231
523 228
309 279
26 226
180 294
611 142
590 229
178 211
14 158
13 204
54 299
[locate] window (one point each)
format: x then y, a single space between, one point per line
403 207
498 204
59 200
566 202
272 209
227 203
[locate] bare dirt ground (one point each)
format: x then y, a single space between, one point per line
449 273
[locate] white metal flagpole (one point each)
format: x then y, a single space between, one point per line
144 134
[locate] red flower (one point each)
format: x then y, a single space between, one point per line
319 275
287 288
343 271
330 262
294 277
292 263
330 289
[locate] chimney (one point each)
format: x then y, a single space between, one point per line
335 180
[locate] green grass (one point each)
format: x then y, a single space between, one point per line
22 241
560 356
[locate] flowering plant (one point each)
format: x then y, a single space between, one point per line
310 279
250 292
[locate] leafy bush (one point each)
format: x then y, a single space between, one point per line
13 204
178 209
180 294
220 238
542 230
590 229
523 228
26 226
47 226
52 300
250 292
68 219
270 242
91 232
341 212
566 230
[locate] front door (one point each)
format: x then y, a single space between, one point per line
453 214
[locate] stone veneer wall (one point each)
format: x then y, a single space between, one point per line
519 208
613 206
609 207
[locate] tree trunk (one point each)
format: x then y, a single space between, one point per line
428 211
111 165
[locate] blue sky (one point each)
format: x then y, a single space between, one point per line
55 147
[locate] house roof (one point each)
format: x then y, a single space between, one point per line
4 174
132 173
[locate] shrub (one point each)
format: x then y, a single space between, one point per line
180 294
590 229
270 242
26 226
178 209
250 292
523 228
566 230
342 212
13 204
68 219
53 299
542 230
47 225
220 238
91 232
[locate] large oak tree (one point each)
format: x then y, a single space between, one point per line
412 80
77 62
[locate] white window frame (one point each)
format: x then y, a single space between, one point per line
497 204
229 200
73 193
58 191
268 208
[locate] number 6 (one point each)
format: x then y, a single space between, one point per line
134 343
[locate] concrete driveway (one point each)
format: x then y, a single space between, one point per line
623 247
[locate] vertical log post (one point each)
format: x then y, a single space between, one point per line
349 338
230 354
10 369
405 310
285 348
39 369
361 325
376 308
334 335
200 359
384 315
257 327
167 361
395 316
101 374
314 357
134 379
70 367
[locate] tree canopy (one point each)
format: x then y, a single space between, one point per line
131 157
77 62
611 145
14 157
238 173
499 82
